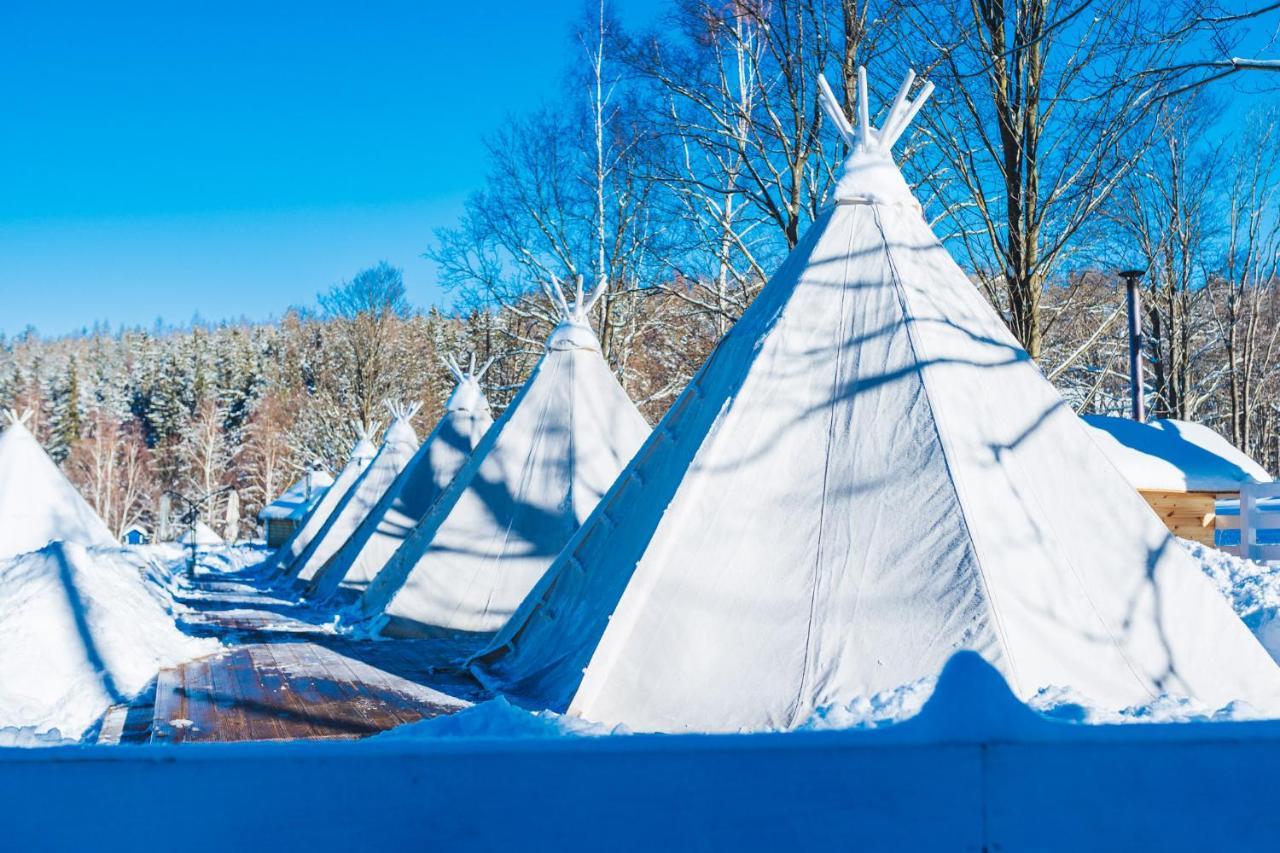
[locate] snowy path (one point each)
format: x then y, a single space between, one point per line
286 674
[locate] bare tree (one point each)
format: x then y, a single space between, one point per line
364 311
111 467
1044 109
1164 208
1247 281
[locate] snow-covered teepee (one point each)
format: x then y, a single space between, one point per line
534 478
361 455
398 446
438 460
868 475
38 504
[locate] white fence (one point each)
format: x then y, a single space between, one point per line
1259 511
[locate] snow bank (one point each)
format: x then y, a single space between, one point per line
80 631
1252 588
1064 704
499 718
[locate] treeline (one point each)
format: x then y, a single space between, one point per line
681 165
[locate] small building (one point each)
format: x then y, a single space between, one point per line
135 534
1182 469
281 517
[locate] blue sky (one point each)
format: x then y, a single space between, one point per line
227 159
234 158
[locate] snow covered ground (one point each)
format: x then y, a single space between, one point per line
81 630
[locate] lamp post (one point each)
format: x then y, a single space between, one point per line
1134 298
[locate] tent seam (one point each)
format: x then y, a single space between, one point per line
916 352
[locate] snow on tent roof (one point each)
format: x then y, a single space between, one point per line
38 504
437 461
361 453
296 501
868 475
398 446
203 535
532 481
1174 456
78 633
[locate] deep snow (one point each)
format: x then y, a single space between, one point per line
81 630
52 690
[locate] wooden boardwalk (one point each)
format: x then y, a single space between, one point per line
285 677
289 691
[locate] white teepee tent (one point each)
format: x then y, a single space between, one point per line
38 504
536 475
868 475
438 460
398 446
362 454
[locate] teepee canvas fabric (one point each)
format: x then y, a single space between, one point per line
398 446
293 548
466 419
868 475
38 504
536 476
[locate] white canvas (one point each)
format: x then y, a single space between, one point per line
38 504
536 476
868 475
362 454
466 419
398 446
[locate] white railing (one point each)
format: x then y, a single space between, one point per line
1255 516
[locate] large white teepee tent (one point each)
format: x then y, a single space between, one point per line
361 454
398 446
868 475
38 505
531 482
466 419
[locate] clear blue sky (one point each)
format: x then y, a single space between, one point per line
234 158
226 159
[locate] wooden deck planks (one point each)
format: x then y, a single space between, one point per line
285 678
285 691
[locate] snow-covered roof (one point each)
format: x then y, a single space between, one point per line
38 504
1174 456
297 500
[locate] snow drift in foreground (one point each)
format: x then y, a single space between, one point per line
79 631
1252 588
498 718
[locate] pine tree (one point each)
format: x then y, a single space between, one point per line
67 418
